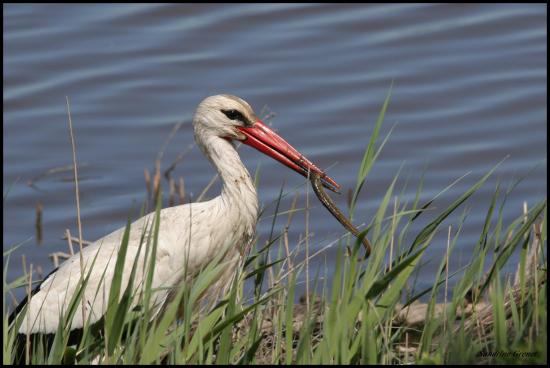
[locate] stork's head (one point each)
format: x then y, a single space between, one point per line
232 118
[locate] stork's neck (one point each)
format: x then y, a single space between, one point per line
238 190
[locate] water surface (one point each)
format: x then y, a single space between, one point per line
469 88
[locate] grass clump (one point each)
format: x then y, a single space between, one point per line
368 313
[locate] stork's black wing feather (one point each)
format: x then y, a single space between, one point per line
23 302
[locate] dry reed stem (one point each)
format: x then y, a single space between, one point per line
55 170
285 233
75 239
38 223
407 346
181 190
39 272
177 160
172 192
147 181
69 239
207 187
55 256
175 129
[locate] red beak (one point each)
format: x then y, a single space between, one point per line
265 140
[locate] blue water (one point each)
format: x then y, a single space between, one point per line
469 88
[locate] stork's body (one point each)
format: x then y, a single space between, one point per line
190 235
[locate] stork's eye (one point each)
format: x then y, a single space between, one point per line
234 115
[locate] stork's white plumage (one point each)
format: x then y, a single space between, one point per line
190 235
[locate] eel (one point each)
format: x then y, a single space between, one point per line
329 204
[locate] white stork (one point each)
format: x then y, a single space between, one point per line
190 234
